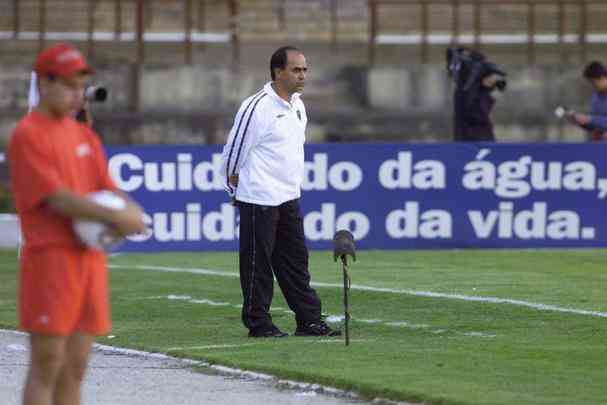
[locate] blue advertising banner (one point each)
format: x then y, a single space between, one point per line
390 196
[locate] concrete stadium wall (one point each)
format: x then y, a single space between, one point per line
195 104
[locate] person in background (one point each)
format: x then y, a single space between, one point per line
473 111
595 122
475 79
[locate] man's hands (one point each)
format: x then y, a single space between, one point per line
233 180
128 221
84 114
579 118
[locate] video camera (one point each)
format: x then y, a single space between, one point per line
95 93
468 67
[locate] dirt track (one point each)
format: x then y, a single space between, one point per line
125 377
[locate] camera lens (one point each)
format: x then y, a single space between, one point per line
96 93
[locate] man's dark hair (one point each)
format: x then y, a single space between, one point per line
595 70
279 59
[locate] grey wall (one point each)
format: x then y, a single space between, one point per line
195 104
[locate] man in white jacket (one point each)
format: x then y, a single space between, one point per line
263 165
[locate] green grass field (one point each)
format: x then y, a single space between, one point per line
418 331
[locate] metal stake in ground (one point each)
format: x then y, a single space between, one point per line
344 261
343 245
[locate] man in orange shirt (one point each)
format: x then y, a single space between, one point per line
63 295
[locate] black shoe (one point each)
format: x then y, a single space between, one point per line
316 328
272 332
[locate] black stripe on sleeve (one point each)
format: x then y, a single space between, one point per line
244 113
244 133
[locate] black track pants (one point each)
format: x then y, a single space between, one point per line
272 241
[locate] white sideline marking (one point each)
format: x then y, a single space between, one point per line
370 320
299 341
199 301
209 347
480 334
417 293
335 318
212 303
406 324
330 318
342 341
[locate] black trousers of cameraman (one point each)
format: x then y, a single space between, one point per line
272 241
473 115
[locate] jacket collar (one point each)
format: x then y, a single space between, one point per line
270 90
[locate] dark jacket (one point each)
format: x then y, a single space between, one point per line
472 114
598 112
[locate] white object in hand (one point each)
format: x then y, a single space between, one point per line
98 235
561 111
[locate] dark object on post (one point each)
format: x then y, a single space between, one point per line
343 245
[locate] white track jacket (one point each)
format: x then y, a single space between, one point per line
266 149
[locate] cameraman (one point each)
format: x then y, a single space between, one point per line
595 122
475 80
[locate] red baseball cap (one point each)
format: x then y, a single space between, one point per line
61 60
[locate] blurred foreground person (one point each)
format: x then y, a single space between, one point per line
263 165
63 291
